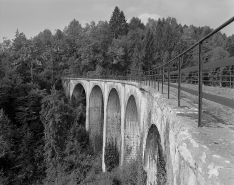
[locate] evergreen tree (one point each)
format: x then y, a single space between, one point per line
118 24
136 23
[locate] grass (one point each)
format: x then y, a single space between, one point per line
130 173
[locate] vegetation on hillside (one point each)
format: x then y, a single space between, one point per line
42 139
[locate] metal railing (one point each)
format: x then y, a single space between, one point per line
158 74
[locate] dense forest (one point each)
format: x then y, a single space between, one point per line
42 135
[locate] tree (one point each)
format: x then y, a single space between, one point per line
57 116
136 23
185 41
149 50
218 53
6 135
58 35
19 41
7 132
136 48
118 24
73 30
117 52
152 24
229 45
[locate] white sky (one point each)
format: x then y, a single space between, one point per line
33 16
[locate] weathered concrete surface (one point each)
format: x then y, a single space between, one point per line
190 155
131 130
96 115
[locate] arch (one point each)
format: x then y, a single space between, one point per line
78 101
154 163
96 118
113 130
78 94
131 130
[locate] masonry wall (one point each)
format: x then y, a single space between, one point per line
131 130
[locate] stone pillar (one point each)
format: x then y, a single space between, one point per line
123 107
87 106
105 99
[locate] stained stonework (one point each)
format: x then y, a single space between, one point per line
96 118
154 163
131 130
113 124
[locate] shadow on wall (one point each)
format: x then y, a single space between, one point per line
96 118
113 130
78 101
154 163
78 96
131 130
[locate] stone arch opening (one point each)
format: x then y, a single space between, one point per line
78 101
113 131
96 118
154 163
131 130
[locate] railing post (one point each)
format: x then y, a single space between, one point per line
138 79
162 78
200 66
141 76
168 78
152 78
230 77
155 79
158 78
149 77
69 88
179 80
146 78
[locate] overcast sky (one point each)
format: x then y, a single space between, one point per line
33 16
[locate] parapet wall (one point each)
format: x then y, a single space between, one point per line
191 156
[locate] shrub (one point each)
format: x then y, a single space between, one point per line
111 156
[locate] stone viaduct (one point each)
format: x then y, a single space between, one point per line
141 122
